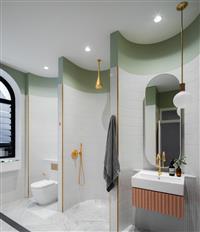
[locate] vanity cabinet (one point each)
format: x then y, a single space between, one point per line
164 203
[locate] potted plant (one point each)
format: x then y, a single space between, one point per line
177 163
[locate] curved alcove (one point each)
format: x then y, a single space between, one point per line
155 58
84 117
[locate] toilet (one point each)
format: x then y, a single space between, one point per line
45 191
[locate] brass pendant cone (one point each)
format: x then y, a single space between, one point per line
99 85
182 5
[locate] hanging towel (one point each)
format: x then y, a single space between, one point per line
111 163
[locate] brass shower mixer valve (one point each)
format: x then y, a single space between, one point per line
75 153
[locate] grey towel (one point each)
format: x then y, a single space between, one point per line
111 163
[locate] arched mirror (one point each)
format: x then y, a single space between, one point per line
162 123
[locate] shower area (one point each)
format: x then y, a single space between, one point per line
84 114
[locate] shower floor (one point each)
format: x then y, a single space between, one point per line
91 215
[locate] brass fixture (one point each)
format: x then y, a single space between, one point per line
98 82
158 163
163 159
181 7
54 166
182 98
75 153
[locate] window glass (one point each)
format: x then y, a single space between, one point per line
7 120
4 93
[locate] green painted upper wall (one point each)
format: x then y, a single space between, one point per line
32 84
154 58
165 99
40 86
161 99
82 79
19 77
151 95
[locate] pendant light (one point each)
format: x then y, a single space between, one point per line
98 82
183 98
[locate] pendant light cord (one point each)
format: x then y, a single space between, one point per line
181 46
99 67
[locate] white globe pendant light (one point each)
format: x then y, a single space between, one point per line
183 98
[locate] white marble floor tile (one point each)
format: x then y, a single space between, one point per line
4 227
91 215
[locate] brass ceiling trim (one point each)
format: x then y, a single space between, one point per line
182 6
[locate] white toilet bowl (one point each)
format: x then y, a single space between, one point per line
45 191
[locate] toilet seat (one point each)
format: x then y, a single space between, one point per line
43 184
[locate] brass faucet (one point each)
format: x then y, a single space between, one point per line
160 162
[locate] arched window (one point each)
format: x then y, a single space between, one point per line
7 120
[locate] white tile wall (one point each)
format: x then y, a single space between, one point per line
43 136
86 118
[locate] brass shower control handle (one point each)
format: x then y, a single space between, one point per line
75 154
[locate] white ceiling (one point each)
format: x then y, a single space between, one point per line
35 33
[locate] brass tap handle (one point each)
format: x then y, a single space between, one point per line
158 160
163 159
74 154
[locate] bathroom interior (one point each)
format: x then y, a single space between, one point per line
83 96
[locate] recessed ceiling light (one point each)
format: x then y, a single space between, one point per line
87 49
46 68
157 18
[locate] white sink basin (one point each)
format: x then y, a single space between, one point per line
167 184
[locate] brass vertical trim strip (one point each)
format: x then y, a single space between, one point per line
109 195
27 139
28 145
28 142
109 198
62 142
118 183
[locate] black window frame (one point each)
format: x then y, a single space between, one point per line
11 146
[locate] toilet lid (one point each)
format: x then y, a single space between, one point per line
43 183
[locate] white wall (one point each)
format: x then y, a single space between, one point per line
43 133
131 155
86 117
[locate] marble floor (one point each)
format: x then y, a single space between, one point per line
4 227
91 215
